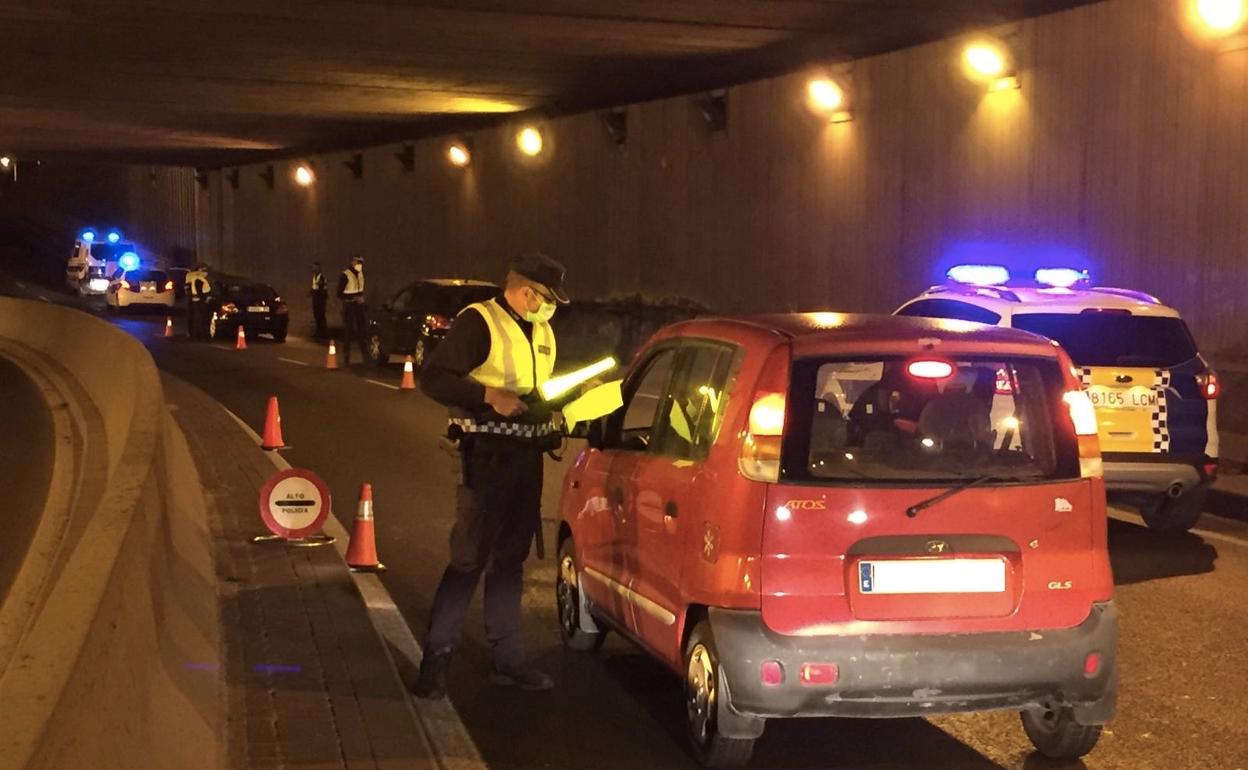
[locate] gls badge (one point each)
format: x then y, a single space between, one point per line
1061 585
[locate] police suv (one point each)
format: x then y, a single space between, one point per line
1155 397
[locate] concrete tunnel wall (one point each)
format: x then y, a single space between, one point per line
110 632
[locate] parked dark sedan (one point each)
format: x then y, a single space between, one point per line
419 316
242 301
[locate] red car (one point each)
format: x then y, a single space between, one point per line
835 515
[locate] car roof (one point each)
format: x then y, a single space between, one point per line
1007 301
818 333
458 282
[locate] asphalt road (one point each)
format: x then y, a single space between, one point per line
26 446
1184 695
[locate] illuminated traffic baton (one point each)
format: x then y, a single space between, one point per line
557 386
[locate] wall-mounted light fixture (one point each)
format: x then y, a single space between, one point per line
356 165
231 176
1219 17
990 62
407 157
458 154
827 98
268 176
304 176
529 140
616 122
5 162
714 108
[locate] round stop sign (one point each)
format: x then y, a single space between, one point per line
294 503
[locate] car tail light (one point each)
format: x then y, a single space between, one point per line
764 430
1210 386
930 369
168 285
771 673
1092 664
280 307
229 307
1083 418
438 322
125 284
818 673
1211 469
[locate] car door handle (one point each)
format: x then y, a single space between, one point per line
669 510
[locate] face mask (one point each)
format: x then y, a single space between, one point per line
542 314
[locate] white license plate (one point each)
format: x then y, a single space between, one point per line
257 308
932 576
1104 397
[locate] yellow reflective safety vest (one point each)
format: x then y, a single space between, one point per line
513 363
197 284
355 283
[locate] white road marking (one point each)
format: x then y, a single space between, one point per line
293 361
439 721
382 384
1206 534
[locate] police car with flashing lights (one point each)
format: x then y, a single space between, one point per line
93 260
1155 396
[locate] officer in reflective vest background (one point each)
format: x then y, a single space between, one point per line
487 371
320 295
354 311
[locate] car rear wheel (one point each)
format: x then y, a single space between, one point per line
1055 733
1174 514
279 335
570 605
702 694
377 351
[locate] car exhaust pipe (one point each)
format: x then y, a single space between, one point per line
1175 490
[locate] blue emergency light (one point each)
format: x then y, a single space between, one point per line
1061 277
128 261
114 236
979 275
88 235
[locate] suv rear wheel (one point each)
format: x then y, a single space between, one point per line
1174 514
1055 733
702 694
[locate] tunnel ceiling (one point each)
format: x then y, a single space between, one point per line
217 82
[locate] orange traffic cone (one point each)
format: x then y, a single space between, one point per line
331 359
240 343
362 552
272 427
409 377
168 326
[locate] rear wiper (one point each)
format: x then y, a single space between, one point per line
913 510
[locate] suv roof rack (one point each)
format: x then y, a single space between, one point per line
1128 293
967 290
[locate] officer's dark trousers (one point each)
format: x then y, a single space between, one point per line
355 327
196 319
498 509
318 314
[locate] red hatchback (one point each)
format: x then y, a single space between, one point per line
835 515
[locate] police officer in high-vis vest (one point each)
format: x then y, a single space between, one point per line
354 311
198 296
487 371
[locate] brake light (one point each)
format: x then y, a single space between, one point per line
439 322
930 369
760 445
1210 386
125 284
168 285
1083 418
229 307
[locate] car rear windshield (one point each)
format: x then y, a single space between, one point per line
873 420
1114 339
250 294
452 299
142 276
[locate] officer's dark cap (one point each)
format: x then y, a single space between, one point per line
539 268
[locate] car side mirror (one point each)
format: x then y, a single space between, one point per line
595 433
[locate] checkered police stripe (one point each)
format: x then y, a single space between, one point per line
1161 424
503 428
1085 377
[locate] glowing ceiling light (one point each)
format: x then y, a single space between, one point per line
529 140
985 60
458 155
304 176
1220 16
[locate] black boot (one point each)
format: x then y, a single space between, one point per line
432 680
521 675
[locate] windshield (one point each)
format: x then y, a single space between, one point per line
873 420
142 276
1114 339
250 293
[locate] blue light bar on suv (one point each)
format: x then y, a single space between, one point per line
1061 277
979 275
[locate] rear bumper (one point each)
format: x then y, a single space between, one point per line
904 676
164 299
1153 474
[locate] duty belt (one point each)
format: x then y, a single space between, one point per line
534 430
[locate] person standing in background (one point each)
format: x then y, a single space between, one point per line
354 311
198 296
320 297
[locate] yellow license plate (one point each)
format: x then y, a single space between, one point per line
1122 398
